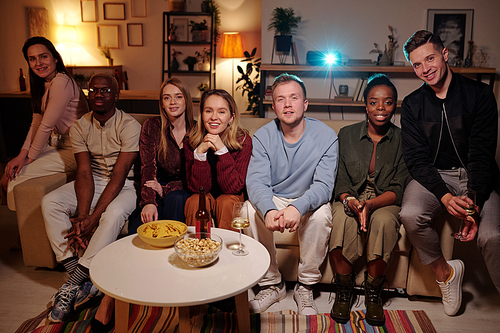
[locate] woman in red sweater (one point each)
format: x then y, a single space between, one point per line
217 155
163 190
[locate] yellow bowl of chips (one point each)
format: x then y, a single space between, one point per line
161 233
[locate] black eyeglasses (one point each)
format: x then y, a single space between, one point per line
104 91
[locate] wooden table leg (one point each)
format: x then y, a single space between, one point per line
242 312
121 316
184 319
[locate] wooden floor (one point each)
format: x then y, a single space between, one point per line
25 291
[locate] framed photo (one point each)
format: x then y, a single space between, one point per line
134 34
138 8
38 19
107 35
454 26
114 11
182 29
88 10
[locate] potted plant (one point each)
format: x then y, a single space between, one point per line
199 31
284 22
190 61
203 59
210 7
173 29
250 80
106 52
202 87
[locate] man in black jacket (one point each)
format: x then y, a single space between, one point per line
449 136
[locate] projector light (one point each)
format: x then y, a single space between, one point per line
318 58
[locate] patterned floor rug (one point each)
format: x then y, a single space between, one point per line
145 319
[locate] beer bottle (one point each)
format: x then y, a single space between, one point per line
22 80
203 222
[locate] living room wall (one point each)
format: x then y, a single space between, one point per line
143 64
352 27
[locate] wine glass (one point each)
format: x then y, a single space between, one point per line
240 221
471 208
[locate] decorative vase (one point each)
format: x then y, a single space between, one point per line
110 61
172 37
191 67
204 66
174 65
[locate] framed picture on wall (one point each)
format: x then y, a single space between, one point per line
454 26
114 11
107 36
138 8
134 34
182 29
88 10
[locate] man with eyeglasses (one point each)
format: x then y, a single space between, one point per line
105 143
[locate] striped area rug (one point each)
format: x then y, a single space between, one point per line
206 319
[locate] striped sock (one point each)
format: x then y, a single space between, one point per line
79 275
70 264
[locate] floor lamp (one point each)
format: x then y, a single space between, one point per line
231 47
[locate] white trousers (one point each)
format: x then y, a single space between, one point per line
61 204
50 161
313 233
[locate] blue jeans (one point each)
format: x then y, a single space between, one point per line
171 207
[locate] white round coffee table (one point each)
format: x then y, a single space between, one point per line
132 271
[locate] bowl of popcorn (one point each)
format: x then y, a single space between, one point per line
198 249
161 233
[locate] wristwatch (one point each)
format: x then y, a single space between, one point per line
347 210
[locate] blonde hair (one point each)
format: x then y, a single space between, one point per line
188 113
231 134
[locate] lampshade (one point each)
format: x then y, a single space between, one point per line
231 46
66 34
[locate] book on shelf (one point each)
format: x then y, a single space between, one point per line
269 94
359 62
357 89
361 96
343 99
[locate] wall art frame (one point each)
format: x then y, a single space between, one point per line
134 34
108 36
138 8
88 9
454 26
114 11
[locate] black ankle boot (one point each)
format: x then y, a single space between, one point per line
341 309
373 300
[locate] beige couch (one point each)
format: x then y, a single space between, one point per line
405 271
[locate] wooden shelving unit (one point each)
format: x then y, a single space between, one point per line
351 71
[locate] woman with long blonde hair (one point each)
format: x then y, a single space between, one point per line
217 155
163 190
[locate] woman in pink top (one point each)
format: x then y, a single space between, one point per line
57 101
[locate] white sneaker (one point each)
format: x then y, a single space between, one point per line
267 297
452 290
303 296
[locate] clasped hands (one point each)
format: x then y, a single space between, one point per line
279 220
210 141
79 234
362 210
455 206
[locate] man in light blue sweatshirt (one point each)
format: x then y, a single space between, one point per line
290 181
